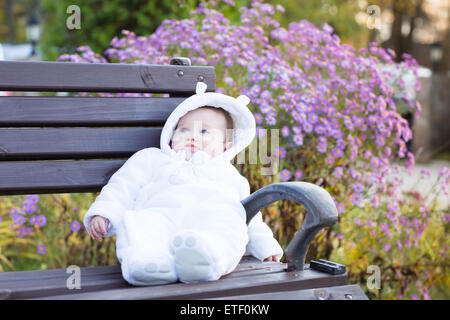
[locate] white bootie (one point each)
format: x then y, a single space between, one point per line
144 271
193 259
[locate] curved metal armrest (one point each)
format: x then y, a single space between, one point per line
320 212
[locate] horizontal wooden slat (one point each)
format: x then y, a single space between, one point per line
102 77
250 277
27 177
75 143
247 264
84 111
39 283
226 286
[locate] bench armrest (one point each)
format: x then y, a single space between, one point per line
320 212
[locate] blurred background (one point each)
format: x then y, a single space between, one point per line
36 30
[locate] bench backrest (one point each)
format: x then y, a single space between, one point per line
75 143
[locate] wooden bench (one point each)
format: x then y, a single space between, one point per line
66 144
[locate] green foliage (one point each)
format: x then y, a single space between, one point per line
54 244
340 14
101 20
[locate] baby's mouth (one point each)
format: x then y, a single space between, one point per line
191 146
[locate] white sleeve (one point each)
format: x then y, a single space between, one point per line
120 193
261 243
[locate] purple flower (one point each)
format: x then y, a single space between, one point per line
340 207
75 226
393 206
322 147
282 152
228 62
285 131
298 174
18 219
258 118
404 221
298 139
32 220
375 162
354 174
32 198
307 127
358 187
349 124
271 121
337 152
313 118
387 246
370 224
41 249
279 8
41 221
379 140
29 205
229 81
356 198
338 172
230 2
285 175
357 222
21 232
320 129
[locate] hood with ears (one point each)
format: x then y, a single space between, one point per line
243 120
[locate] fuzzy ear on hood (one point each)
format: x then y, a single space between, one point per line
243 120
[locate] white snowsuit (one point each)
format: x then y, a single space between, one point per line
183 220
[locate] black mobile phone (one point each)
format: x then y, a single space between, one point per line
327 266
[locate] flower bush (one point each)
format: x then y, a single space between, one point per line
44 232
339 125
408 244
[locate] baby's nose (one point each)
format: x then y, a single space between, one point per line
195 137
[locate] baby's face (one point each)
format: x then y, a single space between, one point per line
201 129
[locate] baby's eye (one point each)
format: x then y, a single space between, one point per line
204 131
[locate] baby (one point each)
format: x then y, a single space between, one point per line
177 211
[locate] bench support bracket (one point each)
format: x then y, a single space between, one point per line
321 212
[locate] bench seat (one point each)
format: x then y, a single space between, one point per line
250 278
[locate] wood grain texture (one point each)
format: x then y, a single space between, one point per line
75 143
250 277
25 177
85 111
102 77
